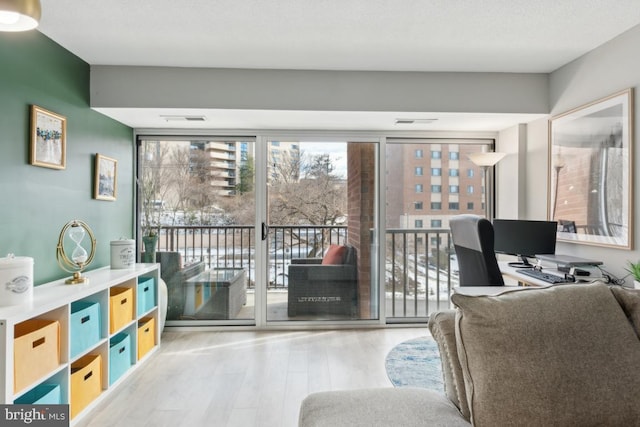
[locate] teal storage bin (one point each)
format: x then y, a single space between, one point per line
85 326
43 394
119 356
146 296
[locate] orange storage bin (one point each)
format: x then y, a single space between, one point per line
120 307
36 351
86 382
146 336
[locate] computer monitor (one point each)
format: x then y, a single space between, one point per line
524 239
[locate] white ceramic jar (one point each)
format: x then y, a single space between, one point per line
16 280
123 254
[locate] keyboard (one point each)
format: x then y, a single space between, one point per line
541 275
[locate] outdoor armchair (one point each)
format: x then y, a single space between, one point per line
324 285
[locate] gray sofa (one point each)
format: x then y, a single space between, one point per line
567 355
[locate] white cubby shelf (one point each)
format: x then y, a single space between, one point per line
52 302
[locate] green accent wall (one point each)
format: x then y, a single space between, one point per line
36 202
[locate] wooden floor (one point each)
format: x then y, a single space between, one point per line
245 378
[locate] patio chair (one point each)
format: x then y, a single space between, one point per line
325 285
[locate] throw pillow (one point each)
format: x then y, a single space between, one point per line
563 355
629 300
335 255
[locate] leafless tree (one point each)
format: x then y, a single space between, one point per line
153 184
303 189
317 197
179 171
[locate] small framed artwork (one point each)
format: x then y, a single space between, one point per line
106 178
591 172
48 139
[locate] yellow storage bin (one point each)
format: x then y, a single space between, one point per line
36 351
86 382
120 307
199 296
146 336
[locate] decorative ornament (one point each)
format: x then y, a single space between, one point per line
76 231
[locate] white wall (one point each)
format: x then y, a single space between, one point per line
522 176
611 67
536 175
511 173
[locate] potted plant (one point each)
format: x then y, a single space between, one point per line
150 221
634 269
150 242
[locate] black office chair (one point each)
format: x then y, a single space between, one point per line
473 242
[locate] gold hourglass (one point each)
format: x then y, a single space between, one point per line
76 231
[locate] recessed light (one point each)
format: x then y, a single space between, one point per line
414 121
179 118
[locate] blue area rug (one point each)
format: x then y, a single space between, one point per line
415 363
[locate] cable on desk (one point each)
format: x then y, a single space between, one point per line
610 278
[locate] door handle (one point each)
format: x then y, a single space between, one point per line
265 231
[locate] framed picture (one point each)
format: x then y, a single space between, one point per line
48 139
590 175
106 178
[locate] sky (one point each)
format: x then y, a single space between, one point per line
337 153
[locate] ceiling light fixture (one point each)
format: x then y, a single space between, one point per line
19 15
179 118
414 121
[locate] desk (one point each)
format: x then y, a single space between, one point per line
522 282
522 279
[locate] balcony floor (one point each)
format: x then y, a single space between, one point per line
277 308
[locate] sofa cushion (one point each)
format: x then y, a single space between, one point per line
629 300
335 255
406 407
563 355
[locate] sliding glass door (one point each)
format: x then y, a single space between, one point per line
312 203
271 230
321 210
196 196
427 182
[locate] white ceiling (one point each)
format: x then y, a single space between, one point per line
394 35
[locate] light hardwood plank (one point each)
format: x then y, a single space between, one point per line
245 378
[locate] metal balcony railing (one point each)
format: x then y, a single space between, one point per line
420 271
233 246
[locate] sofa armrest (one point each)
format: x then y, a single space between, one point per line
379 407
442 327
